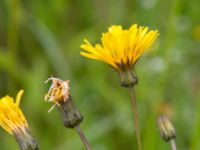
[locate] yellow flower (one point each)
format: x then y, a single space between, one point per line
121 48
58 91
196 32
12 118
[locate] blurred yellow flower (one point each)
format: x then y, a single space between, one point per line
196 32
12 118
121 48
58 91
164 107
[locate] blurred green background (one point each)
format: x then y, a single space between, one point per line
42 38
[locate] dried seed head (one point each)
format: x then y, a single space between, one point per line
59 94
166 128
58 91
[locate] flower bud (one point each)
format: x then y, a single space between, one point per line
166 128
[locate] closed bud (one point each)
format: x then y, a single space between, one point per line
166 128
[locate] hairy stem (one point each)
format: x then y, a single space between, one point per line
83 138
135 118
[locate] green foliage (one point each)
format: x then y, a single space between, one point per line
42 38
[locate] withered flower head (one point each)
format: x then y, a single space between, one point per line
14 122
58 91
121 48
59 94
166 128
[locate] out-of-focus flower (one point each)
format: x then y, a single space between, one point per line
196 32
14 122
59 94
164 107
121 48
166 128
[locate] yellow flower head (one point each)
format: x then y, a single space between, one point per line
58 91
121 48
12 118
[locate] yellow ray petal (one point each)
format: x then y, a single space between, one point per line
19 95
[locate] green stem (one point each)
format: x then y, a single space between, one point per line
13 27
83 138
173 144
12 39
135 118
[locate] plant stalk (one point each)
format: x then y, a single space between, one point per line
173 144
12 37
135 117
83 138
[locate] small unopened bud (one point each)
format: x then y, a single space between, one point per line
25 140
166 128
128 78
